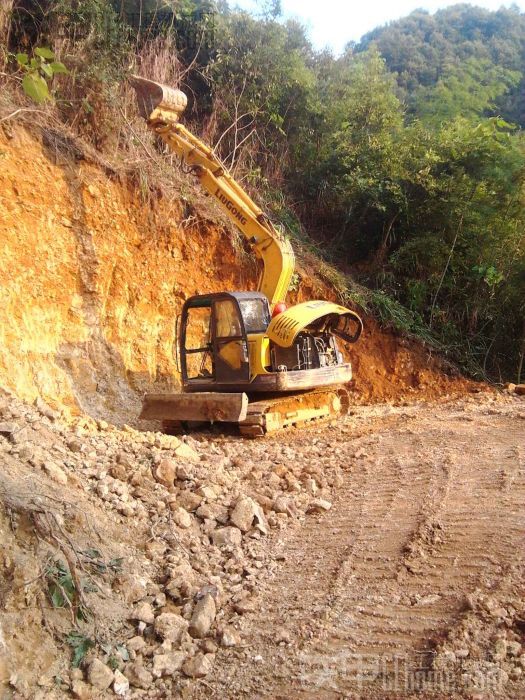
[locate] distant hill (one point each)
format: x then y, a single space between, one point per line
421 48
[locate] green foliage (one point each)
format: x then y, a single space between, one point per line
468 90
421 49
62 590
97 564
80 644
39 71
100 40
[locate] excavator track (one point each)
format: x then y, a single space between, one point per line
273 415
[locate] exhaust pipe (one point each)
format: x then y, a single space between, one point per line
158 102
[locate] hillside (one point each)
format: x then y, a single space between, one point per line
95 278
401 161
378 555
421 48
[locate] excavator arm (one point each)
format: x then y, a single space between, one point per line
161 107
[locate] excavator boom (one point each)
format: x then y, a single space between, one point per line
162 106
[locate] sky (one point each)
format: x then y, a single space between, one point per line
333 23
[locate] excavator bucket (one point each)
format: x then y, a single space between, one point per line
158 102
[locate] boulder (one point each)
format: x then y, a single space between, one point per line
138 676
227 536
166 472
120 684
203 616
55 472
170 626
144 613
199 666
247 514
167 664
99 675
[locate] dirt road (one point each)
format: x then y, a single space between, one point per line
409 583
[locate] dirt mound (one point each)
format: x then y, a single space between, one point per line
94 276
133 551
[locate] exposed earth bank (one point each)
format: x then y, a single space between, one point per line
95 270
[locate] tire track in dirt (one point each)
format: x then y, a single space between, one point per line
434 512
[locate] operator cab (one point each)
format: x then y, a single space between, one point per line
214 342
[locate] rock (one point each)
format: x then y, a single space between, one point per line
227 536
82 690
182 580
55 472
186 452
318 505
284 504
513 648
208 646
189 500
184 472
135 643
247 514
213 511
199 666
283 637
170 626
166 471
500 650
168 664
99 675
520 389
133 588
7 428
244 605
119 471
144 613
203 617
230 637
138 676
45 410
74 444
124 460
208 492
120 684
181 517
20 436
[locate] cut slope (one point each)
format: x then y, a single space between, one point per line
94 276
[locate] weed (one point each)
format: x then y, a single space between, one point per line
80 644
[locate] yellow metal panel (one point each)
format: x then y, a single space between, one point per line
259 346
285 327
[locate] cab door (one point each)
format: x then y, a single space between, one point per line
230 345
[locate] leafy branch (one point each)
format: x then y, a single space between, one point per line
39 71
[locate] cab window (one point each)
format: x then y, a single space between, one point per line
255 314
228 323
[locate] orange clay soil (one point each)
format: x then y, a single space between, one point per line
93 278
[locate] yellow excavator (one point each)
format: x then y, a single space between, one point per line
244 357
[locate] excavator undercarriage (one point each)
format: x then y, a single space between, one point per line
255 418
